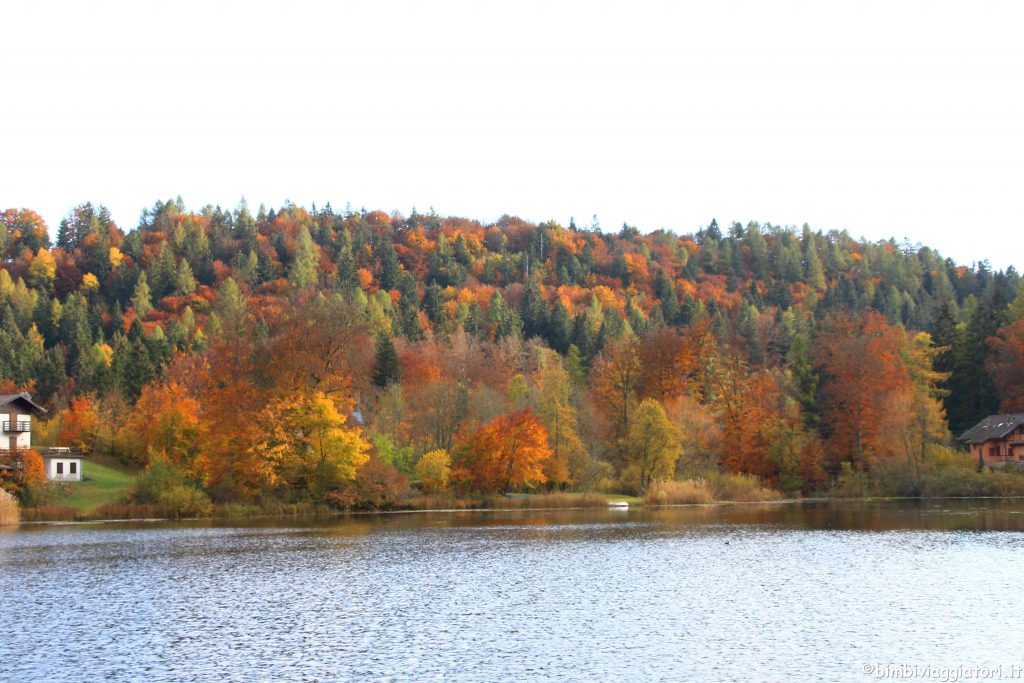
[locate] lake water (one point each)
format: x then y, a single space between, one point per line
748 593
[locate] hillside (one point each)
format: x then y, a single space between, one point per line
628 357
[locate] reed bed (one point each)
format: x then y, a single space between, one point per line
10 511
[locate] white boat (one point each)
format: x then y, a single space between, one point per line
618 504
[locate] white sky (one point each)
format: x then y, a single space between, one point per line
887 118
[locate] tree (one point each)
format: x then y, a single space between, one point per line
1007 366
310 444
164 422
552 399
42 270
668 364
303 271
142 300
386 368
507 453
652 448
433 470
79 423
861 365
185 281
615 376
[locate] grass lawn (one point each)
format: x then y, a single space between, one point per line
106 485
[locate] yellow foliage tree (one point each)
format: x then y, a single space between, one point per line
164 420
433 470
652 447
42 270
310 444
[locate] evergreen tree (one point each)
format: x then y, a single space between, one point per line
386 368
185 281
389 271
142 300
303 271
433 302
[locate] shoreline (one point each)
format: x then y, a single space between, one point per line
367 513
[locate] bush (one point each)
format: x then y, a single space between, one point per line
181 500
851 484
944 473
376 485
163 487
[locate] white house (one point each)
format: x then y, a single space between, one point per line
62 464
16 414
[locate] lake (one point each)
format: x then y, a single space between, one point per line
815 591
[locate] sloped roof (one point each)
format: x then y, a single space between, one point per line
25 399
992 427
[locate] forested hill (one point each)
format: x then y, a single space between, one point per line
102 311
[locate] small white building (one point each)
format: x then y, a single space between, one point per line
62 464
16 414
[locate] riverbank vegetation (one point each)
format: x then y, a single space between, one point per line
9 509
320 360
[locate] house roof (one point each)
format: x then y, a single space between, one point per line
992 427
24 399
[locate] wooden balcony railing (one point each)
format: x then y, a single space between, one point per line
54 452
17 426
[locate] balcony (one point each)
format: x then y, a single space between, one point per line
17 426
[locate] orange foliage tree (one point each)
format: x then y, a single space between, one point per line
862 367
79 423
615 377
1007 366
165 420
508 452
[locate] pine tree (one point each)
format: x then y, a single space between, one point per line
185 280
142 300
433 302
303 271
386 369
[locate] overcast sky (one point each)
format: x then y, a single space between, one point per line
901 119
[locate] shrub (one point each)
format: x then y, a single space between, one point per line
181 500
377 485
944 473
851 484
162 486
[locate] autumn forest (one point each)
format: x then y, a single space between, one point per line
359 359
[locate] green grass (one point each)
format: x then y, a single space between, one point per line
106 485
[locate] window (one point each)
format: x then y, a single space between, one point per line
60 468
72 468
